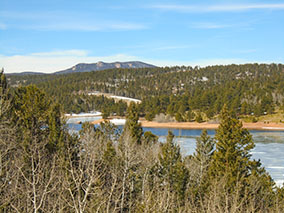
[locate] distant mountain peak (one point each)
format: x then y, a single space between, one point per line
100 65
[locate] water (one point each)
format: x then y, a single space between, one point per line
269 146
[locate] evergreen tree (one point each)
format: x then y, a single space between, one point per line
31 108
150 138
105 113
198 118
258 110
5 102
132 126
179 117
109 155
37 119
210 113
150 116
198 165
231 160
189 116
203 153
55 128
245 108
172 169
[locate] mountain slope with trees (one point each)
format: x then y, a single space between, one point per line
246 89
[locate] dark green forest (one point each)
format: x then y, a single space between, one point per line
181 92
44 168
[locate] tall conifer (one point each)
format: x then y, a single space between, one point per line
172 169
132 125
231 160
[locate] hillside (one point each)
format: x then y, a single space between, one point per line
181 92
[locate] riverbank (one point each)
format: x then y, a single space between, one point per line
205 125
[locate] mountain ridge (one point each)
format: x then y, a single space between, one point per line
100 65
88 67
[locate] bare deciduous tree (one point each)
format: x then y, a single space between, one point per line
36 178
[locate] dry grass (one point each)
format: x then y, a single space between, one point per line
277 117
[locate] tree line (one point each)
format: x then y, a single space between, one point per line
45 168
181 92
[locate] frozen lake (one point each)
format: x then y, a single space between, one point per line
269 147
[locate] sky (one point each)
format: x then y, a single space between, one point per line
51 35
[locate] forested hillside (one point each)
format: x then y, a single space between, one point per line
44 168
178 91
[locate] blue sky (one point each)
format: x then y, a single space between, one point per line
52 35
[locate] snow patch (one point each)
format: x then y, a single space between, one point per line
275 167
279 183
89 114
76 120
279 128
204 79
93 93
125 98
117 121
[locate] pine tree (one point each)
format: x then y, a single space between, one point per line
198 118
189 115
5 103
203 154
172 169
132 126
198 164
105 113
30 114
109 154
55 128
179 117
150 138
231 160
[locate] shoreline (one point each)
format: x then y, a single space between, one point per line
205 125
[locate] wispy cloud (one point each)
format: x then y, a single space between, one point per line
245 7
208 62
24 15
201 62
217 8
102 26
3 26
55 60
172 47
60 53
208 25
246 51
127 26
68 21
174 7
